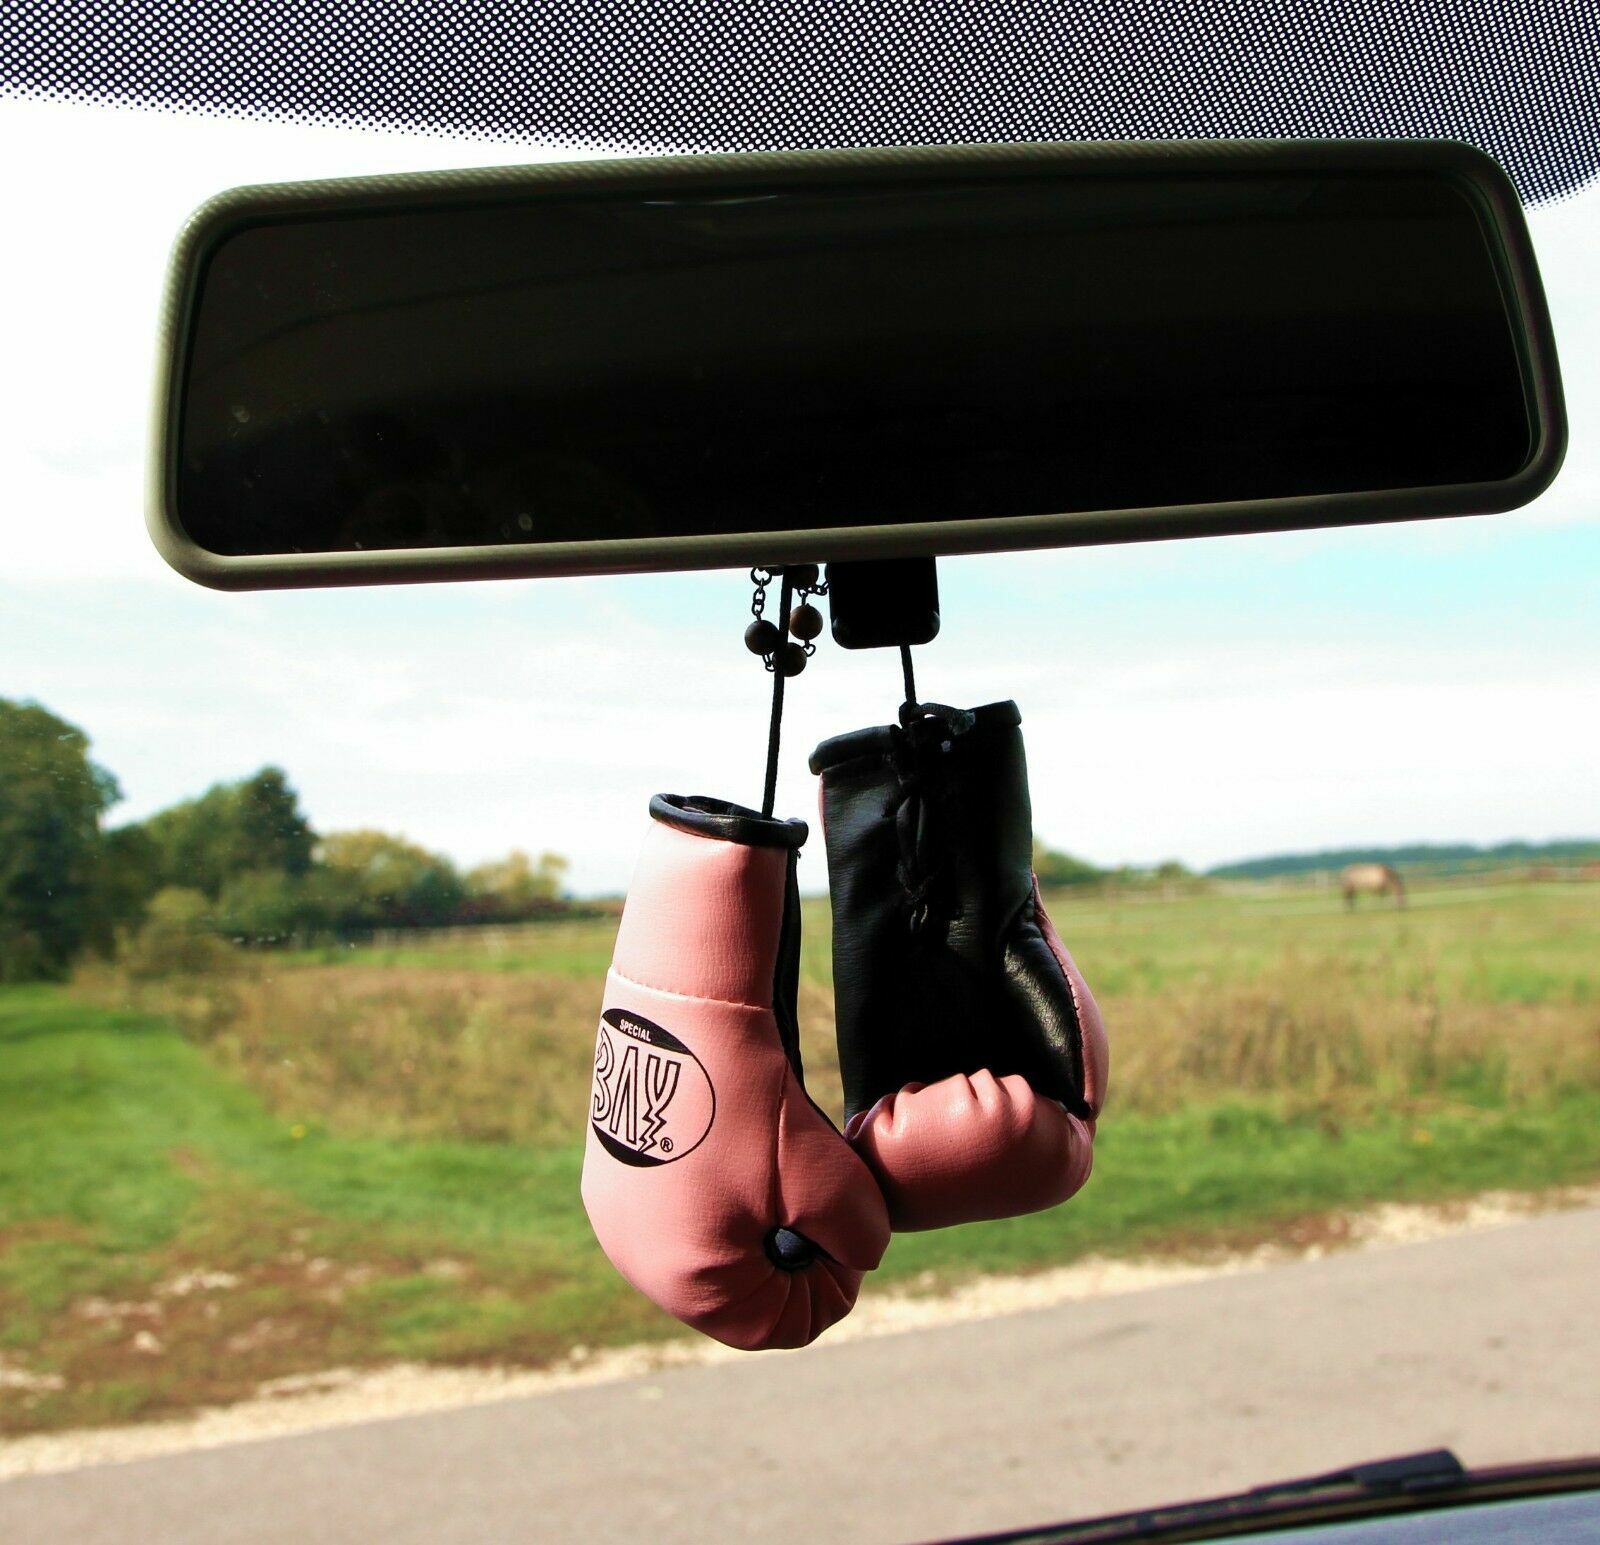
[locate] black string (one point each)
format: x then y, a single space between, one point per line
911 681
769 797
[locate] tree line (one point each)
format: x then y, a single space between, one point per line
1441 858
1056 871
240 861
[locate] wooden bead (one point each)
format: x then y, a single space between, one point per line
805 622
794 659
762 637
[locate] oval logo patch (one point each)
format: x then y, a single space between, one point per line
652 1101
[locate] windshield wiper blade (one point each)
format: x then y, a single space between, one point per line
1409 1472
1432 1478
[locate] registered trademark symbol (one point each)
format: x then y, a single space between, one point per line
666 1145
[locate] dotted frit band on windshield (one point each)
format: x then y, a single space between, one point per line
1517 78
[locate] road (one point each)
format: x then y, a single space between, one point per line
1486 1343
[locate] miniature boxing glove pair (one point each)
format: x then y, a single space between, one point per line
973 1056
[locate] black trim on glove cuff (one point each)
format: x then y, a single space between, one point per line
702 816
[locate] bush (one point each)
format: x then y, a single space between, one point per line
175 940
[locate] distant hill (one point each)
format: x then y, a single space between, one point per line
1439 857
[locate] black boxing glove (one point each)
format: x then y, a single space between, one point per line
973 1055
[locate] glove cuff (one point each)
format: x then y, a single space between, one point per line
701 816
882 740
710 871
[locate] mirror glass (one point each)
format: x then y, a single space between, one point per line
618 364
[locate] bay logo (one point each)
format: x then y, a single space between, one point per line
652 1101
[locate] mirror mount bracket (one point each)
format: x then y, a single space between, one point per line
883 603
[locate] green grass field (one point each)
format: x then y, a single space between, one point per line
352 1158
1494 943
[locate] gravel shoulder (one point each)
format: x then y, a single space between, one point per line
348 1397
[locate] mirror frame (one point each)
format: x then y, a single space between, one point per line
1487 187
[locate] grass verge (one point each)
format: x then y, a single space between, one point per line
172 1235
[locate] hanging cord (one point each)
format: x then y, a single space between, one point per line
911 681
919 804
784 646
770 794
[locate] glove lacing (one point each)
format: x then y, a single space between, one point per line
925 736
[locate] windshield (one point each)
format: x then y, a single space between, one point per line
307 901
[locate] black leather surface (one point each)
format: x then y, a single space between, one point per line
786 972
703 816
939 964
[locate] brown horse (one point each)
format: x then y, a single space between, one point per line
1372 880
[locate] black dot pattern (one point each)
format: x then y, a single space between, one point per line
1518 78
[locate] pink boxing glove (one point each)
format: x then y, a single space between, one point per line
713 1183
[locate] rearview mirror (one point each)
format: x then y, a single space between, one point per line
736 360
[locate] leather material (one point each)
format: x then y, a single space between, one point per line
703 816
1094 1051
973 1054
971 1147
713 1183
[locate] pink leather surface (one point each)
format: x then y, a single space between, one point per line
695 956
702 917
971 1147
1096 1050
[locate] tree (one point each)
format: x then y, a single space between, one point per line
125 883
373 879
1056 869
272 830
264 906
517 886
252 826
52 798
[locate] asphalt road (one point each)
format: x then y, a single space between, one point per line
1486 1343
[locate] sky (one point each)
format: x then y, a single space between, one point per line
1204 700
